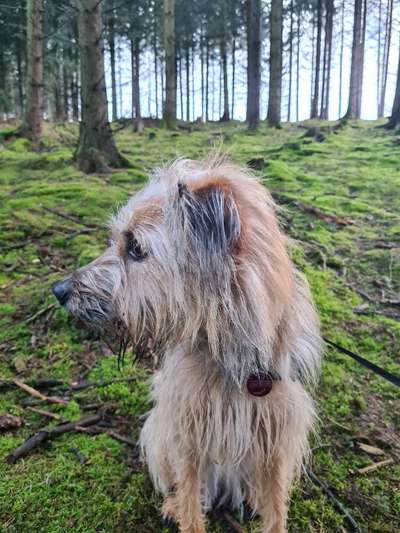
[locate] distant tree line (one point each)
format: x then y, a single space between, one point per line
52 61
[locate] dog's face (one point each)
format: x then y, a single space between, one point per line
197 253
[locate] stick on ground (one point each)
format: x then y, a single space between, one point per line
336 503
49 433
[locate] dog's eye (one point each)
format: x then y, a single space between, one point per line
134 249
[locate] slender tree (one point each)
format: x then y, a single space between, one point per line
32 127
357 60
386 53
291 39
317 74
275 63
394 120
170 64
253 62
96 149
111 45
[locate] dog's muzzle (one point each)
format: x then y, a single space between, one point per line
62 290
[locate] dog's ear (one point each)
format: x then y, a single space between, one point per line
210 216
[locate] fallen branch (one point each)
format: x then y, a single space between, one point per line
96 384
123 439
48 433
336 503
36 394
67 217
37 384
40 313
375 466
42 412
340 221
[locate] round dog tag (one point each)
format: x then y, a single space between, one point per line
259 384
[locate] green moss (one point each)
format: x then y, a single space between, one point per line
79 481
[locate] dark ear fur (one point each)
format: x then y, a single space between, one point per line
211 217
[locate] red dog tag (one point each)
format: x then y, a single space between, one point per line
259 384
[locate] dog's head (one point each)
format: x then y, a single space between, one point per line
195 256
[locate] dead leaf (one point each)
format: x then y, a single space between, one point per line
8 422
371 450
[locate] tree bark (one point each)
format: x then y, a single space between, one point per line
290 59
179 61
20 77
224 61
170 64
233 77
341 60
357 60
111 45
315 100
96 149
386 53
207 78
327 60
275 64
155 50
298 64
32 127
136 80
253 62
187 72
395 116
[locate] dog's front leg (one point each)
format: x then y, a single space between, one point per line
275 495
188 506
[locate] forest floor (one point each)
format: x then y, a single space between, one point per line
349 248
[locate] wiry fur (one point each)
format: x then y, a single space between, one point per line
218 296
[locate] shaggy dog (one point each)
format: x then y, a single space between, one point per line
198 269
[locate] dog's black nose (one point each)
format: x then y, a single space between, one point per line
62 290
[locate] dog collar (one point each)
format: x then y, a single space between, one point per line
260 384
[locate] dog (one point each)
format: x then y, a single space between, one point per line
198 270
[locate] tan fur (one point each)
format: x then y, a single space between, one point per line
218 296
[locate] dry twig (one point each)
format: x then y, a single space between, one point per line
36 394
48 433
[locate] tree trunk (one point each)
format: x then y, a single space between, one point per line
136 80
290 59
182 116
207 78
386 53
395 116
32 127
187 65
202 69
225 114
233 78
3 90
96 149
253 62
111 45
327 60
275 64
341 61
315 101
298 65
193 97
378 60
357 61
170 64
20 77
132 50
155 49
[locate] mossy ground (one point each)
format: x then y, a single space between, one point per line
90 483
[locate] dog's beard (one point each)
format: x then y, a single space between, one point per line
99 317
